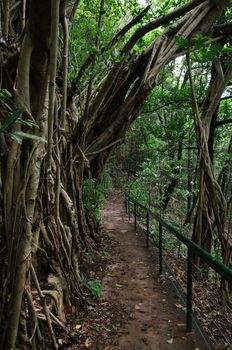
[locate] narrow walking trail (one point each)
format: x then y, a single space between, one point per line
131 280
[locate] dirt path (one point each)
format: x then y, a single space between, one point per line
131 280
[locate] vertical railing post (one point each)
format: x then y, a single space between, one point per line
160 249
148 228
135 215
126 203
189 291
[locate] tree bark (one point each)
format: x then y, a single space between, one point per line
212 205
55 234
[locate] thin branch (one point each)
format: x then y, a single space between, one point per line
113 42
222 29
5 28
182 10
55 11
131 24
91 77
65 64
196 113
168 103
223 122
33 316
24 3
104 148
226 98
17 4
73 12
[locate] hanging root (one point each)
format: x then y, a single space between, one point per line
45 307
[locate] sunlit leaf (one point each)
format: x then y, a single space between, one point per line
5 94
21 134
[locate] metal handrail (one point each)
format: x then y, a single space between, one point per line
220 268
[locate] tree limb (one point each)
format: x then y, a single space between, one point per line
223 122
182 10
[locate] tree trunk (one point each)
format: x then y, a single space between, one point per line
212 205
46 229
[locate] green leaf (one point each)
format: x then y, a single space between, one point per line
182 42
16 138
20 135
5 94
95 287
29 122
11 119
117 285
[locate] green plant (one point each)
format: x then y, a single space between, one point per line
93 197
105 252
107 185
14 116
94 194
94 286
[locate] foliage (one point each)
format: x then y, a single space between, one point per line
46 222
93 197
150 155
13 117
94 286
94 194
86 38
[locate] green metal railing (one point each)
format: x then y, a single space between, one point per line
193 248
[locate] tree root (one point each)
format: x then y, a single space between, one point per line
45 307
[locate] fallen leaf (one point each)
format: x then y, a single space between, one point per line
181 325
88 343
170 341
179 306
78 326
83 331
117 285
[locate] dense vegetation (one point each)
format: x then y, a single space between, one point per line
75 75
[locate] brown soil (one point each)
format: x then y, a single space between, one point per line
138 310
155 320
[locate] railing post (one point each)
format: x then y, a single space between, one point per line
135 215
160 249
148 228
189 291
126 203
